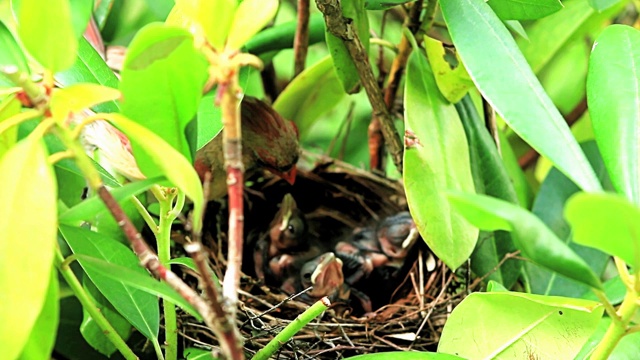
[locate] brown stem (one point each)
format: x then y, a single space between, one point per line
232 147
301 40
490 122
343 29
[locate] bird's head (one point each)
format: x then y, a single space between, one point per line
272 139
324 273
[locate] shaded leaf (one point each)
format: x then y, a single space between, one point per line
46 31
530 235
437 161
613 93
138 307
524 10
89 67
515 325
310 95
606 222
28 228
602 5
520 100
345 68
80 14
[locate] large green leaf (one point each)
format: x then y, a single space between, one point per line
524 9
510 325
89 67
451 76
210 19
549 206
138 307
311 94
530 235
613 93
607 222
43 335
80 14
521 101
437 161
46 31
11 54
489 177
28 228
162 80
342 61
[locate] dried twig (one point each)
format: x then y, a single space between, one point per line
342 28
301 40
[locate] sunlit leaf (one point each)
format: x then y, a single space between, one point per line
77 97
11 53
529 234
162 80
613 92
514 325
9 106
43 335
210 19
437 160
421 355
250 17
607 222
28 228
521 101
81 11
46 31
138 307
602 5
451 76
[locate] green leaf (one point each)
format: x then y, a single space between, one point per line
157 158
422 355
607 222
524 10
102 11
90 330
190 264
9 106
383 4
198 354
80 14
521 101
28 228
342 61
46 31
11 53
438 161
162 80
250 17
530 235
209 19
77 97
135 279
138 307
451 76
489 177
614 289
548 206
602 5
280 36
69 341
89 208
627 348
513 325
613 94
89 67
43 335
311 94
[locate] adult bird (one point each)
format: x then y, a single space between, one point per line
268 142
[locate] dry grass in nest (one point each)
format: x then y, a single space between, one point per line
336 198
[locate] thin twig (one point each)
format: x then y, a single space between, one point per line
490 123
301 40
343 29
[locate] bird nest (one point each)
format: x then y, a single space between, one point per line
408 311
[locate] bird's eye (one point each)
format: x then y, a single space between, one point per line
295 228
306 276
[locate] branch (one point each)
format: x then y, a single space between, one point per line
301 40
342 28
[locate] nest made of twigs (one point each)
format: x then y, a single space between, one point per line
335 198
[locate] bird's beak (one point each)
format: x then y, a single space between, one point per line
288 176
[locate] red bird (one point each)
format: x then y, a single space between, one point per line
268 141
